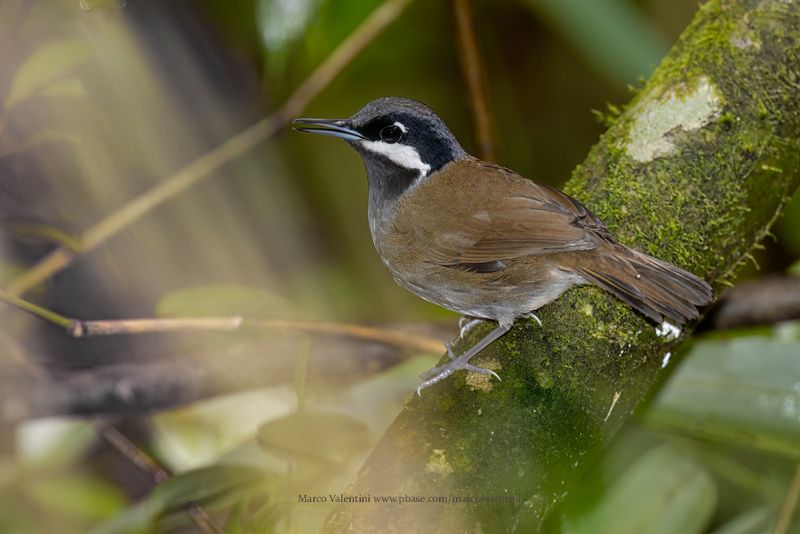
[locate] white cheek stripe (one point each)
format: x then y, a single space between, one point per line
403 155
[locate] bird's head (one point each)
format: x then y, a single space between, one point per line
401 141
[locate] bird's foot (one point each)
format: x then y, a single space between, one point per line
465 324
456 363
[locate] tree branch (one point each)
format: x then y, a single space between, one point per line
694 172
201 365
475 76
137 386
81 328
144 383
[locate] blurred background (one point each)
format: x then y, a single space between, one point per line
111 113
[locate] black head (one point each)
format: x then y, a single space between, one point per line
401 142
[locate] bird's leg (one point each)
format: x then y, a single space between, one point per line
461 363
467 323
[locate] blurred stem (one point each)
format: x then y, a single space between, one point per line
48 232
301 373
127 448
789 505
209 162
79 329
34 309
474 73
694 172
147 464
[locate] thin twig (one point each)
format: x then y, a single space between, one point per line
34 309
475 76
227 324
79 328
784 522
146 463
130 451
209 162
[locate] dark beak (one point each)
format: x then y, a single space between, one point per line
333 127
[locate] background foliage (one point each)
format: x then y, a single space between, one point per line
102 101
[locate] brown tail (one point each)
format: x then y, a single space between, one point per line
656 288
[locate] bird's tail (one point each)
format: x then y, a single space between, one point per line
656 288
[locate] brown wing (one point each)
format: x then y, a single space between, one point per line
484 214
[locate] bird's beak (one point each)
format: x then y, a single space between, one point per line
333 127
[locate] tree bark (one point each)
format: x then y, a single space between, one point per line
693 172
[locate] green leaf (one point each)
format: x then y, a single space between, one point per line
249 518
207 487
45 66
329 437
281 22
794 268
15 517
615 36
76 496
65 88
198 434
54 442
742 391
203 486
281 25
224 300
756 521
296 35
664 491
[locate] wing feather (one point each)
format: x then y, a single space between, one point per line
499 216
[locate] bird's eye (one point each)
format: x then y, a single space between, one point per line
391 133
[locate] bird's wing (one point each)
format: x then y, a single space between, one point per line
488 214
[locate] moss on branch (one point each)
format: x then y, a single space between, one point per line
694 171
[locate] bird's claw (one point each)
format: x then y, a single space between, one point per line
450 354
465 324
482 370
435 375
533 316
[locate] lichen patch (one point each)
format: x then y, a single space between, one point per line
658 117
668 331
481 381
438 464
744 37
746 41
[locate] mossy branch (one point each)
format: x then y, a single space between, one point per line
693 172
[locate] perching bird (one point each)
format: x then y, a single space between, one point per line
480 239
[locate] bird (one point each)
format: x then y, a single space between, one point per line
481 240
